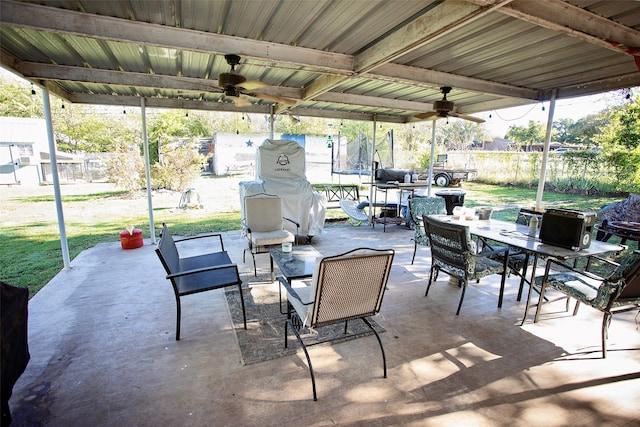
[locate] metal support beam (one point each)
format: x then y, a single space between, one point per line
66 260
545 152
433 153
373 177
147 169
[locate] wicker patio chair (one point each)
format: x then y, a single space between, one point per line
343 287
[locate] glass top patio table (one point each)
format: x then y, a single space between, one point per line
297 264
516 235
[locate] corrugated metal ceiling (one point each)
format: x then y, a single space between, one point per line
332 58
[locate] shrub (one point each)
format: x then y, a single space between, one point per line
126 169
179 167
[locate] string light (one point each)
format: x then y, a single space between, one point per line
33 91
516 118
63 105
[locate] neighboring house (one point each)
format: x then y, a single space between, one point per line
498 144
24 154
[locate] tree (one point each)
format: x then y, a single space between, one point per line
623 129
563 131
586 129
17 100
459 134
620 141
169 126
82 128
529 135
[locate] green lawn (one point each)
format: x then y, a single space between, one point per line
30 253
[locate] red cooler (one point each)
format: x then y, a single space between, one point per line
131 240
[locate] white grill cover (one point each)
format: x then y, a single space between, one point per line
281 170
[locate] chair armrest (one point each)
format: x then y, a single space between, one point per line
296 223
245 226
485 254
202 270
202 236
570 268
284 282
601 259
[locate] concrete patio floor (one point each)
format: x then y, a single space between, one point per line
103 353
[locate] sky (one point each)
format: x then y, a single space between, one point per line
572 108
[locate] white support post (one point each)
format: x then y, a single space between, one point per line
271 122
66 260
433 153
147 169
373 177
545 152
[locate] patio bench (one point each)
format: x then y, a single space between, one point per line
199 273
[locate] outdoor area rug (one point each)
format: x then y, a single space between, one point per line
264 337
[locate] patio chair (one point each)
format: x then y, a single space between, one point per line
199 273
343 287
263 225
616 293
453 252
418 207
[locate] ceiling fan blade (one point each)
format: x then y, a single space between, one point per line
464 117
426 115
274 98
251 85
241 101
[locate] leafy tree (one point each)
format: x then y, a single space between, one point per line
78 128
83 129
16 100
529 135
586 129
563 131
623 129
580 132
166 127
460 134
620 140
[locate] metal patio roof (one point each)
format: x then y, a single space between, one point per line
352 59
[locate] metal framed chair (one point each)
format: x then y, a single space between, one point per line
453 252
418 207
616 293
199 273
263 225
343 287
